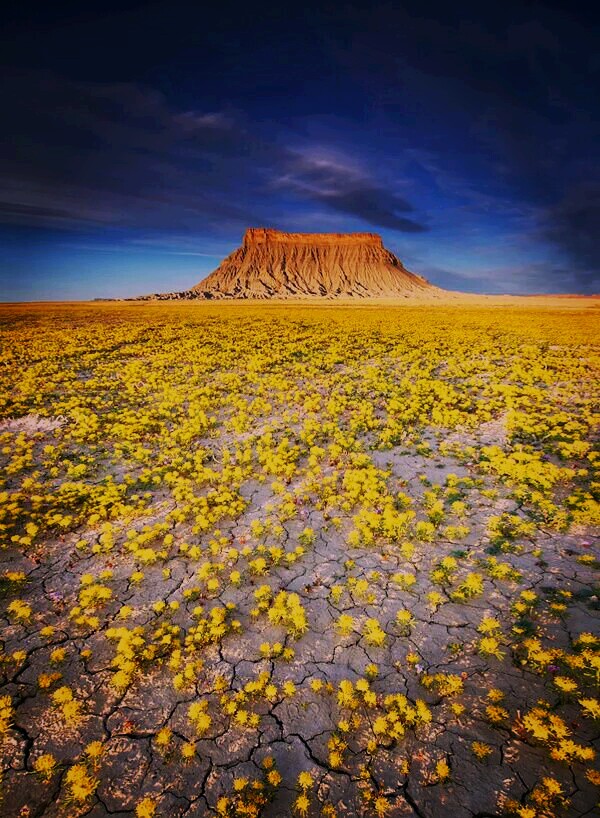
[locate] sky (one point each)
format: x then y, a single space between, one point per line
140 140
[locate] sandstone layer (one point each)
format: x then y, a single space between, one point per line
271 264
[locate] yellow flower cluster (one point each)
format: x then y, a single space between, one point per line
552 731
6 714
181 499
70 708
81 784
249 796
287 610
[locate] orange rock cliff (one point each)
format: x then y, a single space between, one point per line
275 264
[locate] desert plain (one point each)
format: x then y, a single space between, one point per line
273 559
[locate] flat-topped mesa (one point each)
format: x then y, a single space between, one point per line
274 264
266 235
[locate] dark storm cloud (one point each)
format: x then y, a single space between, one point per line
348 189
119 154
574 224
372 205
513 91
113 154
554 172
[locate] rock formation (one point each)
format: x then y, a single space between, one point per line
272 264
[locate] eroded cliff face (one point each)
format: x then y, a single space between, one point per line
271 263
265 235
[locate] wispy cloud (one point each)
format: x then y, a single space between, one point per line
119 154
347 188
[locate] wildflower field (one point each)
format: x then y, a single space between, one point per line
299 560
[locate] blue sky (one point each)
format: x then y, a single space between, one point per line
143 139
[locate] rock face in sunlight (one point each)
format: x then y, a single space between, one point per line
290 265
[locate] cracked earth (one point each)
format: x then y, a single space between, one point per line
410 666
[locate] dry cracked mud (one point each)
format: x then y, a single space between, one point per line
295 730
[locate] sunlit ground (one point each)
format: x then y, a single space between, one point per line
299 560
